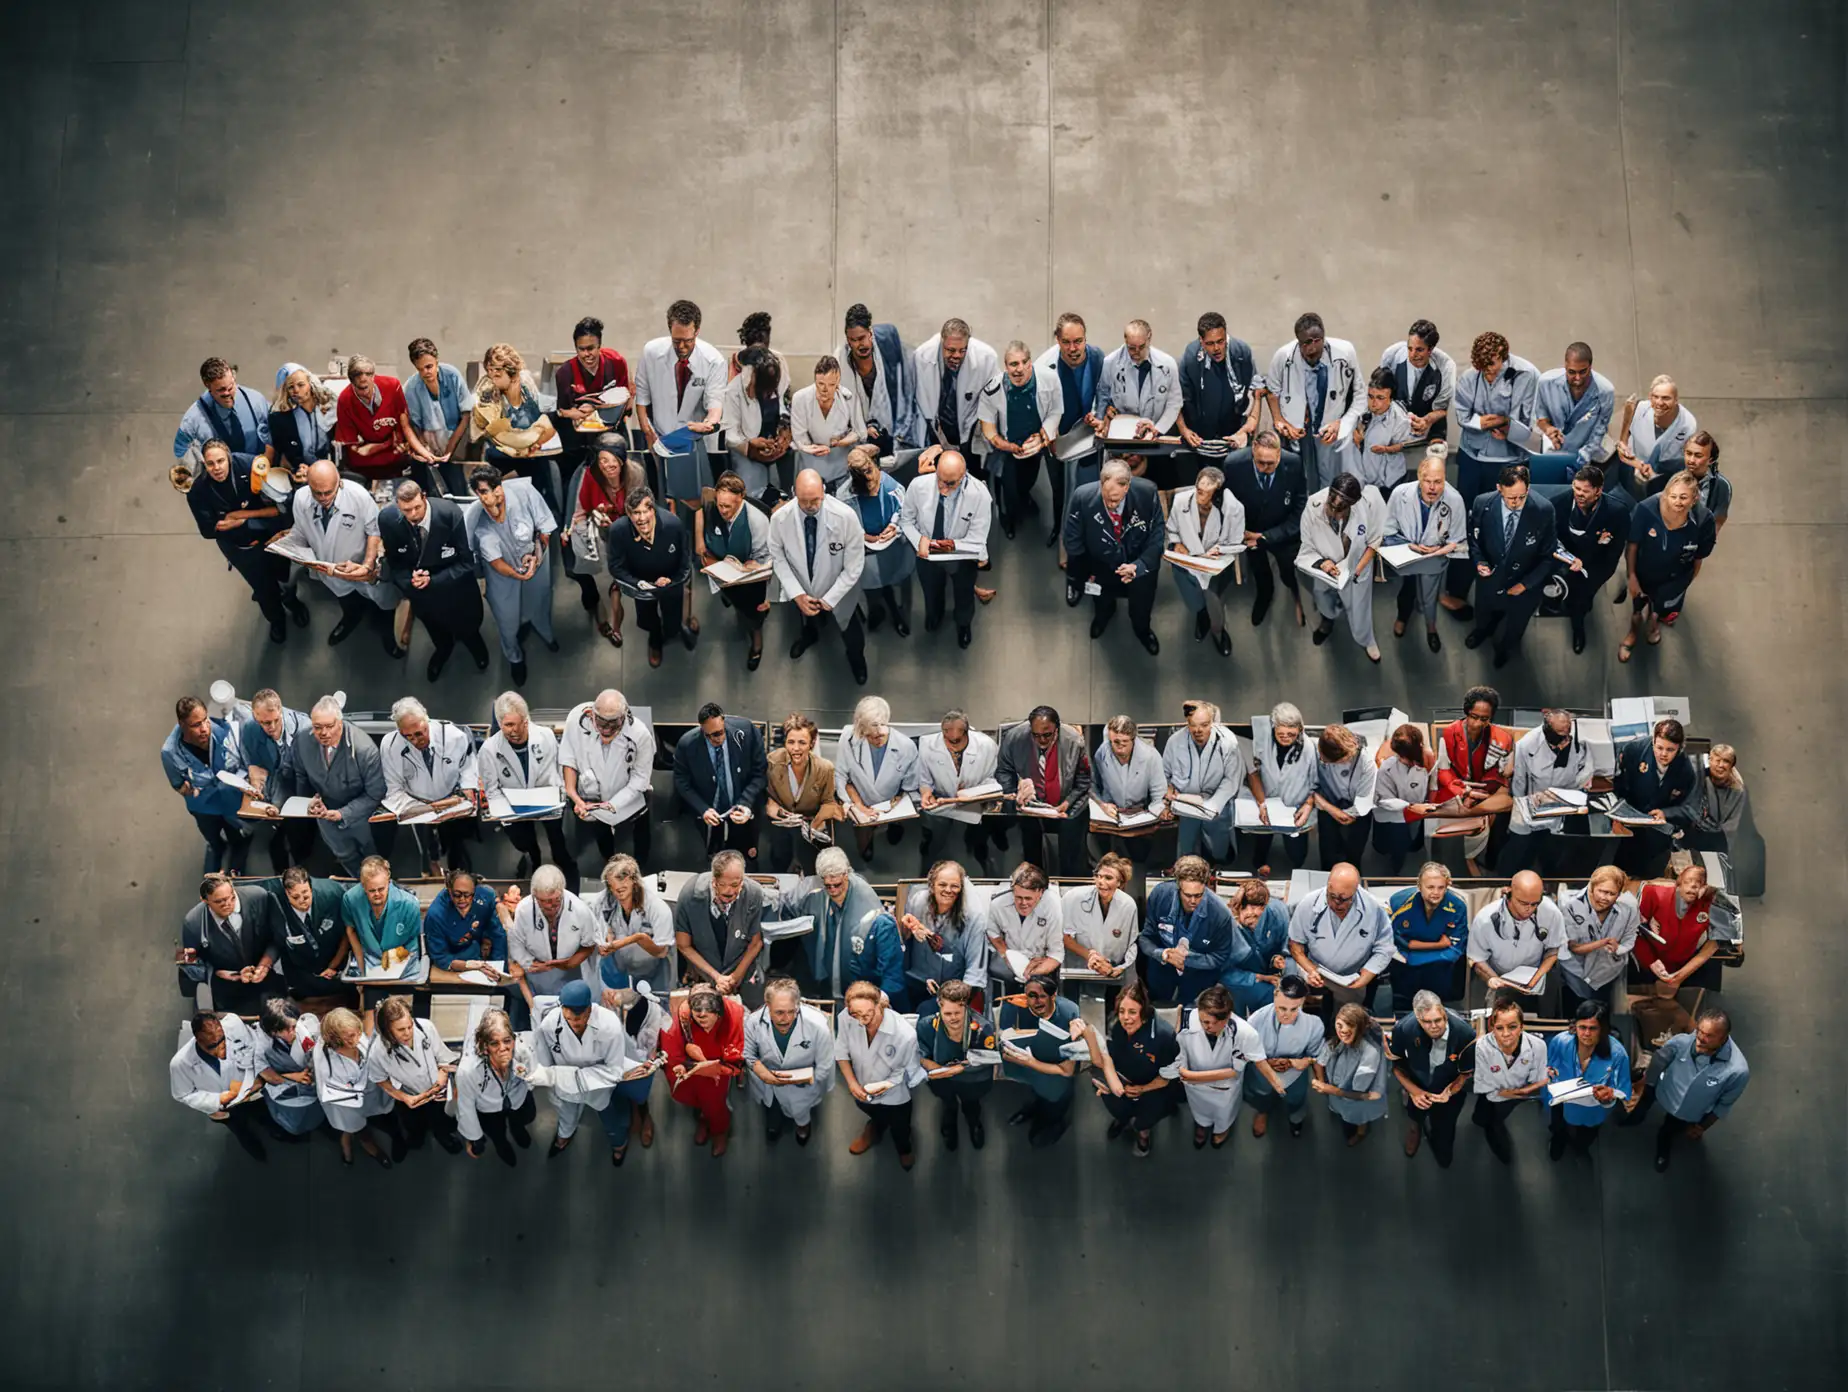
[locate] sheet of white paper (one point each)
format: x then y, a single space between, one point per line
1282 815
1517 976
289 550
1207 565
481 978
528 800
1017 961
1339 978
982 1058
1406 561
1321 577
1128 821
898 812
1075 443
727 571
295 807
965 550
238 781
775 930
884 1085
1632 717
1124 427
1059 1032
979 791
889 542
621 807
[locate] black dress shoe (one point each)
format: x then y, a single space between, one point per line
521 1136
933 622
1259 610
754 661
1115 1129
1074 591
398 1150
800 646
1322 630
1463 615
1502 656
435 669
689 638
1021 1117
1475 638
279 632
949 1136
1435 643
519 674
874 620
1224 643
1148 640
551 644
558 1147
964 635
384 1160
1052 537
1661 1163
900 627
296 610
1578 642
447 1140
978 1134
859 672
341 631
1203 625
1098 626
1007 530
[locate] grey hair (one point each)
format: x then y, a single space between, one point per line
833 861
548 879
1211 711
727 860
870 712
613 697
1121 725
1016 346
1115 469
1425 1002
1141 326
783 986
1287 715
1436 865
958 717
328 705
510 703
1212 476
359 362
406 490
406 708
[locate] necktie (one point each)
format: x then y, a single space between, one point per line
809 524
1264 480
1318 395
1424 517
327 757
423 539
429 758
683 374
939 532
1508 530
224 926
721 779
947 415
1116 524
233 428
1142 375
327 515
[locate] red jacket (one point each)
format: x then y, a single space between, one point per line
356 424
1681 935
1457 764
726 1042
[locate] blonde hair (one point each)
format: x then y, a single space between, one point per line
282 401
861 990
504 356
341 1027
1726 750
1608 874
1664 380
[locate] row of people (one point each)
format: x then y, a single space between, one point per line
1301 486
1479 775
345 1073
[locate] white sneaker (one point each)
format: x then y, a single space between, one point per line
1373 651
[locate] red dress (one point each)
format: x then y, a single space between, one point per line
1682 934
357 423
710 1093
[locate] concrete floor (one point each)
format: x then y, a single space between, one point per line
1661 179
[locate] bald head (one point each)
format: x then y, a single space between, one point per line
1343 881
610 704
323 480
951 467
1525 892
810 490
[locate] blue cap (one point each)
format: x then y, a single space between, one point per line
286 371
575 996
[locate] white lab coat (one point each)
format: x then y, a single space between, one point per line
408 780
655 917
1048 361
1397 785
480 1089
345 1088
991 406
811 1045
966 516
1189 531
355 519
1448 522
411 1069
1291 782
497 766
1110 932
1159 400
840 556
1217 773
937 770
1215 1105
1142 783
1366 529
810 425
1391 427
199 1082
293 1105
528 942
891 1053
743 420
853 764
616 771
585 1068
1040 934
1534 769
655 387
1289 379
979 366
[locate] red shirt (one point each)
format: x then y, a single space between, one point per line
592 496
1681 935
355 423
572 381
726 1042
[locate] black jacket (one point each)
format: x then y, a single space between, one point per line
288 441
1529 561
306 951
1093 549
1193 368
445 552
211 501
744 761
632 560
258 933
1410 1047
1276 513
1598 540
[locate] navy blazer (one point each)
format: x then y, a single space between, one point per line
744 761
1093 549
1599 540
1410 1046
1275 513
1240 369
446 553
1529 561
1638 783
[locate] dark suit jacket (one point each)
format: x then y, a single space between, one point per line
693 916
1239 368
1018 761
1275 514
288 441
744 761
1599 545
445 554
1093 549
257 934
1411 1046
1528 562
305 954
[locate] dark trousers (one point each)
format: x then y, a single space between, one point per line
291 843
1580 1138
743 601
412 1124
641 832
227 842
1140 1113
496 1126
1511 612
1439 1127
1047 1117
853 637
1140 593
1474 478
1260 561
1644 852
1341 841
790 847
658 614
357 609
1491 1114
956 576
1295 847
1167 986
444 636
952 1098
241 1122
1544 851
1396 841
892 1119
451 840
265 574
1672 1127
525 838
1066 856
731 836
975 837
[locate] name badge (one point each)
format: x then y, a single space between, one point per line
447 552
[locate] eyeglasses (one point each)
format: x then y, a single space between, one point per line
1038 996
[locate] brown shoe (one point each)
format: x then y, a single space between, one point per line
720 1144
1360 1134
864 1141
701 1133
646 1123
1260 1123
906 1160
1413 1135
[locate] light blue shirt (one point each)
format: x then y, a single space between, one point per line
204 421
1613 1073
1583 422
1692 1086
1511 394
440 412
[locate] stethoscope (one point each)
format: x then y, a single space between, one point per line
799 1039
420 1045
413 756
1195 753
1297 372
